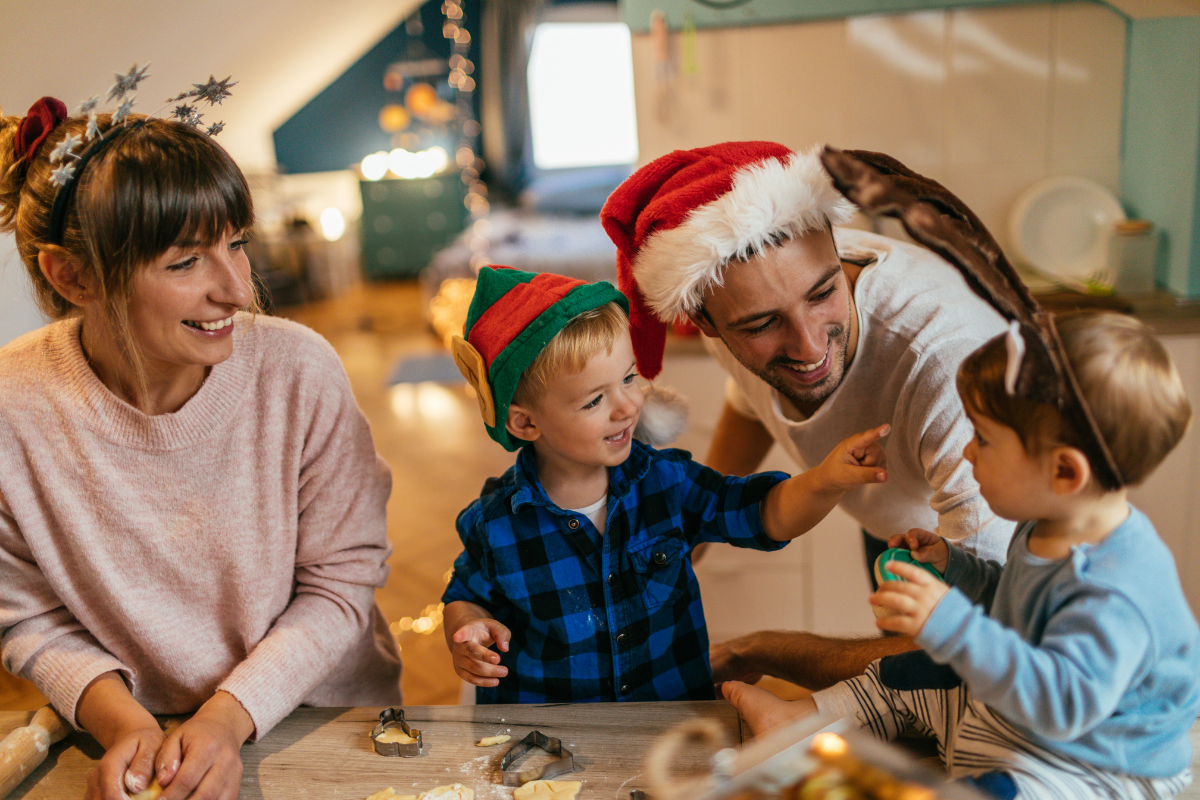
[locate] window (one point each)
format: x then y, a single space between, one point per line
581 103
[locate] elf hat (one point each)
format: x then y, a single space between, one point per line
680 219
512 317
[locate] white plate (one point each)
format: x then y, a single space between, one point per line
1058 226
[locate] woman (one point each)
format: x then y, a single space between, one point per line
192 512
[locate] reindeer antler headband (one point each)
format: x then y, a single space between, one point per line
1038 368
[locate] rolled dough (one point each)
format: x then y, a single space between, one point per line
151 792
548 790
390 794
395 735
488 741
455 791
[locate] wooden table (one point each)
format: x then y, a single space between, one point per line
326 752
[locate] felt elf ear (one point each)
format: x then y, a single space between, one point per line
470 364
880 184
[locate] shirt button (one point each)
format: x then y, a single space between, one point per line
660 558
612 578
573 524
625 688
622 639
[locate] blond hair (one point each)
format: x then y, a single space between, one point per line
155 184
587 334
1126 376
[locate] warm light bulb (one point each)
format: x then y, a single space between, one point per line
333 224
375 166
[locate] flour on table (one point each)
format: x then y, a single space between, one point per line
548 790
390 794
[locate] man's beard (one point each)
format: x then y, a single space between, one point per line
815 394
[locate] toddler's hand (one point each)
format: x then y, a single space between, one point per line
911 600
925 546
856 460
473 661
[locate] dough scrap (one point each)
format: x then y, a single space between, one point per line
395 735
548 790
390 794
455 791
151 792
488 741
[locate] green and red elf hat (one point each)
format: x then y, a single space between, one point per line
512 317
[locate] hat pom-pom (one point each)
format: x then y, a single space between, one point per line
664 416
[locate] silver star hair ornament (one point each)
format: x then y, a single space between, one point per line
93 127
214 91
60 176
89 105
122 111
215 128
183 112
64 148
128 82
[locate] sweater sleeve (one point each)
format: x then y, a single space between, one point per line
40 639
1092 648
341 555
727 508
469 580
975 577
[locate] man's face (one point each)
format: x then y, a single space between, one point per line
788 316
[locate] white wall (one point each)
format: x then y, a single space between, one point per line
18 312
986 100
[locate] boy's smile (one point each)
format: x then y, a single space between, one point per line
584 422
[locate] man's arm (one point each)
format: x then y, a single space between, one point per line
805 659
739 443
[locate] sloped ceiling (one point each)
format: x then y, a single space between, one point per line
281 53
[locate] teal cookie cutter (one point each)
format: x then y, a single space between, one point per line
904 556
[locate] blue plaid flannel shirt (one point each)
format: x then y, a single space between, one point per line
612 617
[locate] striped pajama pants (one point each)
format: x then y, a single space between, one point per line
974 741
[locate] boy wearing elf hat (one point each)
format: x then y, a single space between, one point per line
824 331
575 581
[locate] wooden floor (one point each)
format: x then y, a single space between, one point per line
432 436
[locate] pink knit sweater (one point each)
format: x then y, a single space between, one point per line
234 544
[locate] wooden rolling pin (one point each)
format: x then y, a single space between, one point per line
23 749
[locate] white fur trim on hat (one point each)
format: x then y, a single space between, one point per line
675 267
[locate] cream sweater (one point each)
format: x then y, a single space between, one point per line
234 544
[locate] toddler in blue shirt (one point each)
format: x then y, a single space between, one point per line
1073 670
575 583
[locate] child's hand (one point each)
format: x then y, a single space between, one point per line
925 546
856 460
473 661
911 600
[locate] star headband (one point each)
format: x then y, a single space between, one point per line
1037 367
74 152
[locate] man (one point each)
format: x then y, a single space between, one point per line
823 331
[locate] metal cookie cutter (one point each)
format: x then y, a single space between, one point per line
395 716
564 764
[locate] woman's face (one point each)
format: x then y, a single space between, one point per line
183 302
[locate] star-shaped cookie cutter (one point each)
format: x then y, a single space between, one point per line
564 764
387 718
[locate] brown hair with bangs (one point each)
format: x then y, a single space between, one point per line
587 334
156 184
1125 374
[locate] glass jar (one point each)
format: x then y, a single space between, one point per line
1132 252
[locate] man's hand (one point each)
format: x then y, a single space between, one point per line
728 664
474 662
925 546
912 600
202 758
856 460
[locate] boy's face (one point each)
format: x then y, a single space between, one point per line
1014 483
587 419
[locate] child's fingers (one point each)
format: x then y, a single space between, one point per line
898 540
498 633
910 572
863 441
858 476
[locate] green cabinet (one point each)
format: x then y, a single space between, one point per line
406 220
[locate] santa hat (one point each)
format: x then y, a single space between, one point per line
511 319
680 219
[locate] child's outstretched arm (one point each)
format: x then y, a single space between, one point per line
470 632
796 505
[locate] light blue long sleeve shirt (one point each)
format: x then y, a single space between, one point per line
1095 656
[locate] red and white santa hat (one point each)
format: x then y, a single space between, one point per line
680 219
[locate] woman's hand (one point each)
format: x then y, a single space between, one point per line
202 759
925 546
128 765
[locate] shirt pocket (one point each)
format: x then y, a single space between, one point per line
661 571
